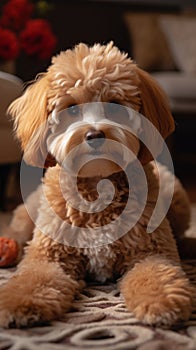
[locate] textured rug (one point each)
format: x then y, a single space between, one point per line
99 320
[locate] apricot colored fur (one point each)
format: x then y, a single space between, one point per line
49 276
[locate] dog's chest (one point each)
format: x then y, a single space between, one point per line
100 266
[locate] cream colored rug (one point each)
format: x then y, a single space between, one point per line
99 320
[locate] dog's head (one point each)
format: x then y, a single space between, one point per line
84 106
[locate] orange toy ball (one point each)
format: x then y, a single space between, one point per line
8 251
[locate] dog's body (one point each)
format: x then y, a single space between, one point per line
66 249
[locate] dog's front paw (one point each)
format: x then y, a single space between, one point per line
157 292
40 294
11 317
17 309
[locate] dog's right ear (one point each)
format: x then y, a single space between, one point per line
30 115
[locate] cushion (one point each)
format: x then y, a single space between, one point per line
181 35
149 45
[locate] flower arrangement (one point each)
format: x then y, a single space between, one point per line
21 32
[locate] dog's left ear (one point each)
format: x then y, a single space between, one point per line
155 107
30 115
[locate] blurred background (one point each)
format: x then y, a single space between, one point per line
159 35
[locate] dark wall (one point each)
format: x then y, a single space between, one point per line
89 22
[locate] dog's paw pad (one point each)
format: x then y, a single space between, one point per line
8 251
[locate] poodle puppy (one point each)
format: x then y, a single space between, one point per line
74 121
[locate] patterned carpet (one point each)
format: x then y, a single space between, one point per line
99 320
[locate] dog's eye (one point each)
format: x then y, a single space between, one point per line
116 112
73 110
112 108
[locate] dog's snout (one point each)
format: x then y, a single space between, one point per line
95 138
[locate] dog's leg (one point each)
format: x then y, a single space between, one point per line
157 291
43 287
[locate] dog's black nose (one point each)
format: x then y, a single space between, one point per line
95 138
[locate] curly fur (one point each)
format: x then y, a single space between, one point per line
152 282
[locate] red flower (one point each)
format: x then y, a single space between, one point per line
9 47
37 39
16 13
19 32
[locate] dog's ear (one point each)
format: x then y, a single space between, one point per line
30 120
155 107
